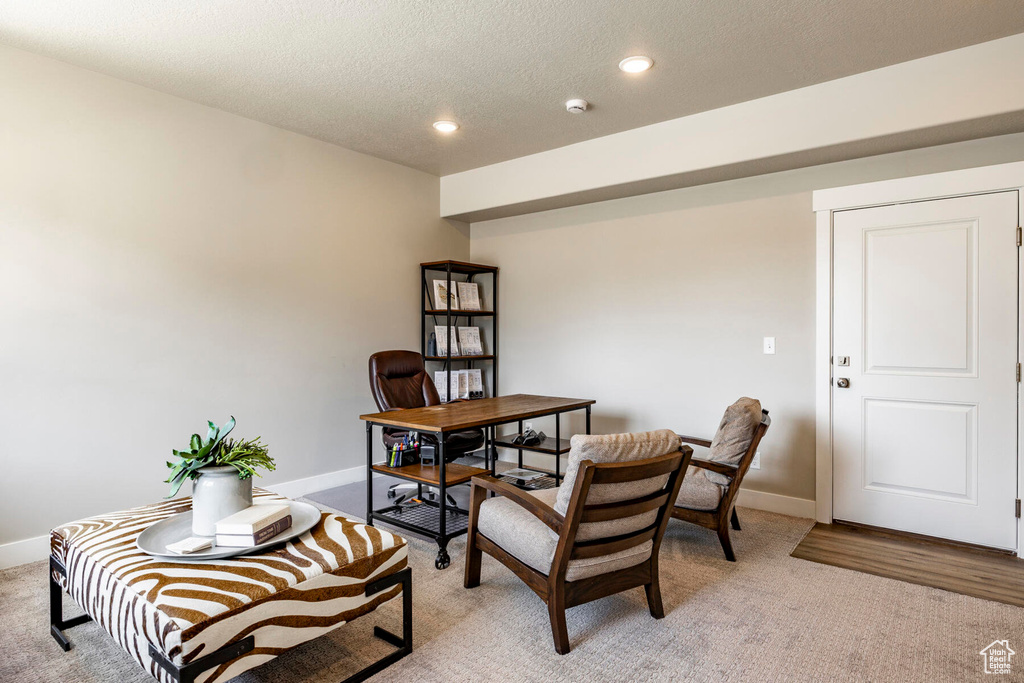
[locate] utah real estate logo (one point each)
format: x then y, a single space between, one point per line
997 657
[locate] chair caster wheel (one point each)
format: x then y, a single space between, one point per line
442 561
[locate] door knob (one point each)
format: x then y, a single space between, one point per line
843 382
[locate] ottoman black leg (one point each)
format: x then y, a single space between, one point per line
57 622
189 672
403 643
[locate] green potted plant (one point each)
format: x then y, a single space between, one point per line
221 471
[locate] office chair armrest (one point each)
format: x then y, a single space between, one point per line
695 441
531 504
719 467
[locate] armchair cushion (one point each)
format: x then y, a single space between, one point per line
734 436
615 448
529 540
698 492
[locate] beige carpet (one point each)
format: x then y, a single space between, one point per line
768 617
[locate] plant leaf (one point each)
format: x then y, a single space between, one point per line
228 426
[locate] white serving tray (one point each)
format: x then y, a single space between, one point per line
154 540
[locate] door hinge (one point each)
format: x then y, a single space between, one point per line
1018 508
1020 236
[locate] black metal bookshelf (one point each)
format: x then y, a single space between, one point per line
453 272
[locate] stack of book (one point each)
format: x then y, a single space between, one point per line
253 525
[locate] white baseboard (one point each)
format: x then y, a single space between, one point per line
23 552
773 502
38 548
318 482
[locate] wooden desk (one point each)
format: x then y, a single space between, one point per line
440 520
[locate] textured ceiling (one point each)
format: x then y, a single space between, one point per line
372 75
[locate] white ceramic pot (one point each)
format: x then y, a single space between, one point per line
217 493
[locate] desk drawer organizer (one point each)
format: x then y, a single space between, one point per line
186 611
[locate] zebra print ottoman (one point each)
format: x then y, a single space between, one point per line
210 621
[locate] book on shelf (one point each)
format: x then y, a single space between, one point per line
257 537
476 383
463 385
441 333
441 293
469 341
469 295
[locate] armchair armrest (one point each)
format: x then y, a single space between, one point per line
531 504
695 441
719 467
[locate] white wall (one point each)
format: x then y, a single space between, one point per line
163 263
656 305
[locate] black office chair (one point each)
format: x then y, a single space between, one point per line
398 379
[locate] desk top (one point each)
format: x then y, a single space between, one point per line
481 412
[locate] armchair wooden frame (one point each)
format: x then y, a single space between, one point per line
553 588
720 518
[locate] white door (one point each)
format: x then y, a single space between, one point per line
925 311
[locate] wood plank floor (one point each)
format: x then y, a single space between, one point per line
989 575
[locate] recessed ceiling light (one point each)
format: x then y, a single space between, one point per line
634 65
446 126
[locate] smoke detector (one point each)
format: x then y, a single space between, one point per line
576 106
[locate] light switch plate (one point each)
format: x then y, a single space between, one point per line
769 345
755 464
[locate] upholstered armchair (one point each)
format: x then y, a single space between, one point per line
708 494
596 535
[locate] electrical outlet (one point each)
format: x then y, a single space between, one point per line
527 426
755 464
769 345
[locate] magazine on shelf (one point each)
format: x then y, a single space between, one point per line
441 384
440 292
442 337
469 341
460 385
469 295
522 475
476 383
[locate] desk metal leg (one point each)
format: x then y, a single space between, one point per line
558 443
442 560
369 473
588 419
520 450
494 448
